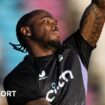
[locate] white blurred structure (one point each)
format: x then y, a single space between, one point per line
76 8
97 65
2 99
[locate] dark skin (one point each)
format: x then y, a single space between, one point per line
99 3
44 31
41 101
92 22
91 26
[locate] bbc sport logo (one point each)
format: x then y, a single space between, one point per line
8 93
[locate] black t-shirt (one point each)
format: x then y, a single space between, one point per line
61 78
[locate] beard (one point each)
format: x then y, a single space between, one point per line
52 44
48 44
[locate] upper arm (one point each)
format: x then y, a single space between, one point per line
41 101
92 23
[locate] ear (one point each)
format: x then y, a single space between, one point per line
25 31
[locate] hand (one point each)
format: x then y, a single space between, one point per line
41 101
100 3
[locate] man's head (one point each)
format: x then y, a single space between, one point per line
38 26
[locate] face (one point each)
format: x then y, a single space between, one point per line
45 30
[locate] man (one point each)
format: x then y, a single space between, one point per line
54 74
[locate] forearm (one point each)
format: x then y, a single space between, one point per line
92 23
40 101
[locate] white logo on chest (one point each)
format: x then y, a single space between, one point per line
60 57
42 75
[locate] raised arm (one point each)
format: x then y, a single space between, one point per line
92 21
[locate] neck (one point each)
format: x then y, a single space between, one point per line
39 51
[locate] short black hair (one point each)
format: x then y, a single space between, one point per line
25 20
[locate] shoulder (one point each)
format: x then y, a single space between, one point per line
19 75
76 40
68 54
73 41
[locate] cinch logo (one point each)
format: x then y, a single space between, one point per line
63 78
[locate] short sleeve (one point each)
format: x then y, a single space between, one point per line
25 85
82 47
